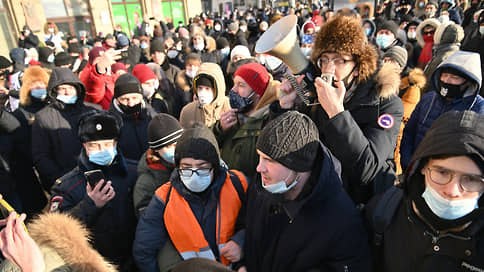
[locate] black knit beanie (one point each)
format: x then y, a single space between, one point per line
62 58
388 25
291 139
127 83
157 46
204 80
163 130
199 143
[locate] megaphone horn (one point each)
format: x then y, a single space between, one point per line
280 40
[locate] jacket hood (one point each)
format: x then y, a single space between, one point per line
468 63
215 73
454 133
388 80
448 32
61 76
70 239
431 21
372 24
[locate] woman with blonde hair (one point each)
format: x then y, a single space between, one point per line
52 34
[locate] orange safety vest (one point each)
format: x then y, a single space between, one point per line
185 231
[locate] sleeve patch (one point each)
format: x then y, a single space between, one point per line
55 203
386 121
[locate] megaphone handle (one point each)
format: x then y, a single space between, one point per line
305 90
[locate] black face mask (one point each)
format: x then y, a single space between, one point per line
130 110
450 90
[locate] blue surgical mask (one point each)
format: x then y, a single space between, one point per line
225 51
239 102
383 41
280 187
39 93
169 155
144 45
67 99
103 157
306 51
367 31
448 209
51 58
196 183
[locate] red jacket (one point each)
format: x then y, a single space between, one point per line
99 87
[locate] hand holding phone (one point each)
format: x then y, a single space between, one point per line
93 177
6 210
98 189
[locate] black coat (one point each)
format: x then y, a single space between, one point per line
113 225
358 140
133 139
8 124
55 140
31 41
320 230
29 189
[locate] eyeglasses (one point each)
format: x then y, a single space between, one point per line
468 182
188 172
338 62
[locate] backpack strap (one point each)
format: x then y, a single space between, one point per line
384 211
234 177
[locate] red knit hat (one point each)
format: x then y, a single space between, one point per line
143 73
95 52
118 66
255 75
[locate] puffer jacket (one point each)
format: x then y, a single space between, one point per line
55 141
207 114
432 104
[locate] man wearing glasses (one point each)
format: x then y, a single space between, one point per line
196 213
359 113
437 221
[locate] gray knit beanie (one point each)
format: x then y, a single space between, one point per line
291 139
397 53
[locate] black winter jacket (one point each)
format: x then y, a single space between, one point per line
321 230
55 140
113 225
133 139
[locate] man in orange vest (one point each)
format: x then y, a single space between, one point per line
196 214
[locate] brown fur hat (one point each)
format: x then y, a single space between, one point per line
344 35
31 74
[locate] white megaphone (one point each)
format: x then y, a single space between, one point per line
280 40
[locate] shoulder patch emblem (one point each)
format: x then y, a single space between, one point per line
55 202
386 121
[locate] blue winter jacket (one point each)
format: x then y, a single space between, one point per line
432 104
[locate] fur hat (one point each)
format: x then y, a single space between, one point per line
199 143
163 130
344 35
99 125
31 74
292 139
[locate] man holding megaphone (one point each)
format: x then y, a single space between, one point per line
355 105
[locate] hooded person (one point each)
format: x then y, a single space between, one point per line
425 38
150 85
412 45
455 85
180 222
63 243
158 162
297 189
102 202
46 57
98 77
55 142
129 105
33 97
238 129
474 41
435 222
211 102
447 40
360 110
199 44
370 29
448 8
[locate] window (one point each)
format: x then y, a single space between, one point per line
123 14
70 16
174 10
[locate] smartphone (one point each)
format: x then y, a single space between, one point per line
328 78
123 53
6 209
94 176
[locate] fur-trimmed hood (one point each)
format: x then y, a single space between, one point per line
431 21
344 35
32 74
68 238
181 81
388 80
417 77
448 32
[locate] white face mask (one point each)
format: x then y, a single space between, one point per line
272 62
191 73
412 35
205 97
51 29
243 28
196 183
448 209
148 91
280 187
217 27
171 54
199 46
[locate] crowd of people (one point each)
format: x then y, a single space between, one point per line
181 148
